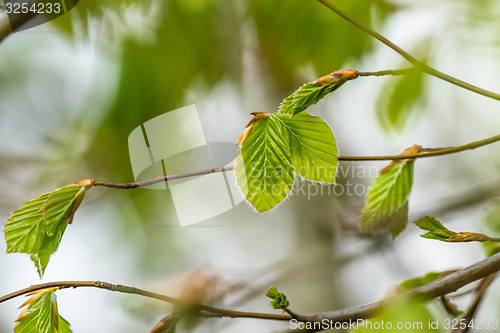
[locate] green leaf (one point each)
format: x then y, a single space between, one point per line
386 205
37 227
272 292
312 92
436 230
50 245
398 99
306 96
264 168
439 232
41 259
25 231
430 223
61 206
279 300
41 315
312 145
273 147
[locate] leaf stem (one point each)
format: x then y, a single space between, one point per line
427 152
388 72
427 69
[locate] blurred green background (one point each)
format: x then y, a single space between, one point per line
72 90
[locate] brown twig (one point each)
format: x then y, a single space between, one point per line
427 152
388 72
427 69
448 306
162 178
442 286
481 290
136 291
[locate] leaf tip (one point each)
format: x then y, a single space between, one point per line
248 128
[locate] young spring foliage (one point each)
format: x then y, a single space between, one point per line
312 146
275 147
37 227
312 92
264 164
41 315
436 230
400 100
386 207
279 300
291 141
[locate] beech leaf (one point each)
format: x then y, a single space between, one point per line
37 227
41 315
264 168
25 231
312 92
436 230
275 147
61 206
386 207
279 300
312 145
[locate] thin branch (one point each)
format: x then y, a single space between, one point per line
427 152
291 313
388 72
162 178
442 286
136 291
481 290
407 56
